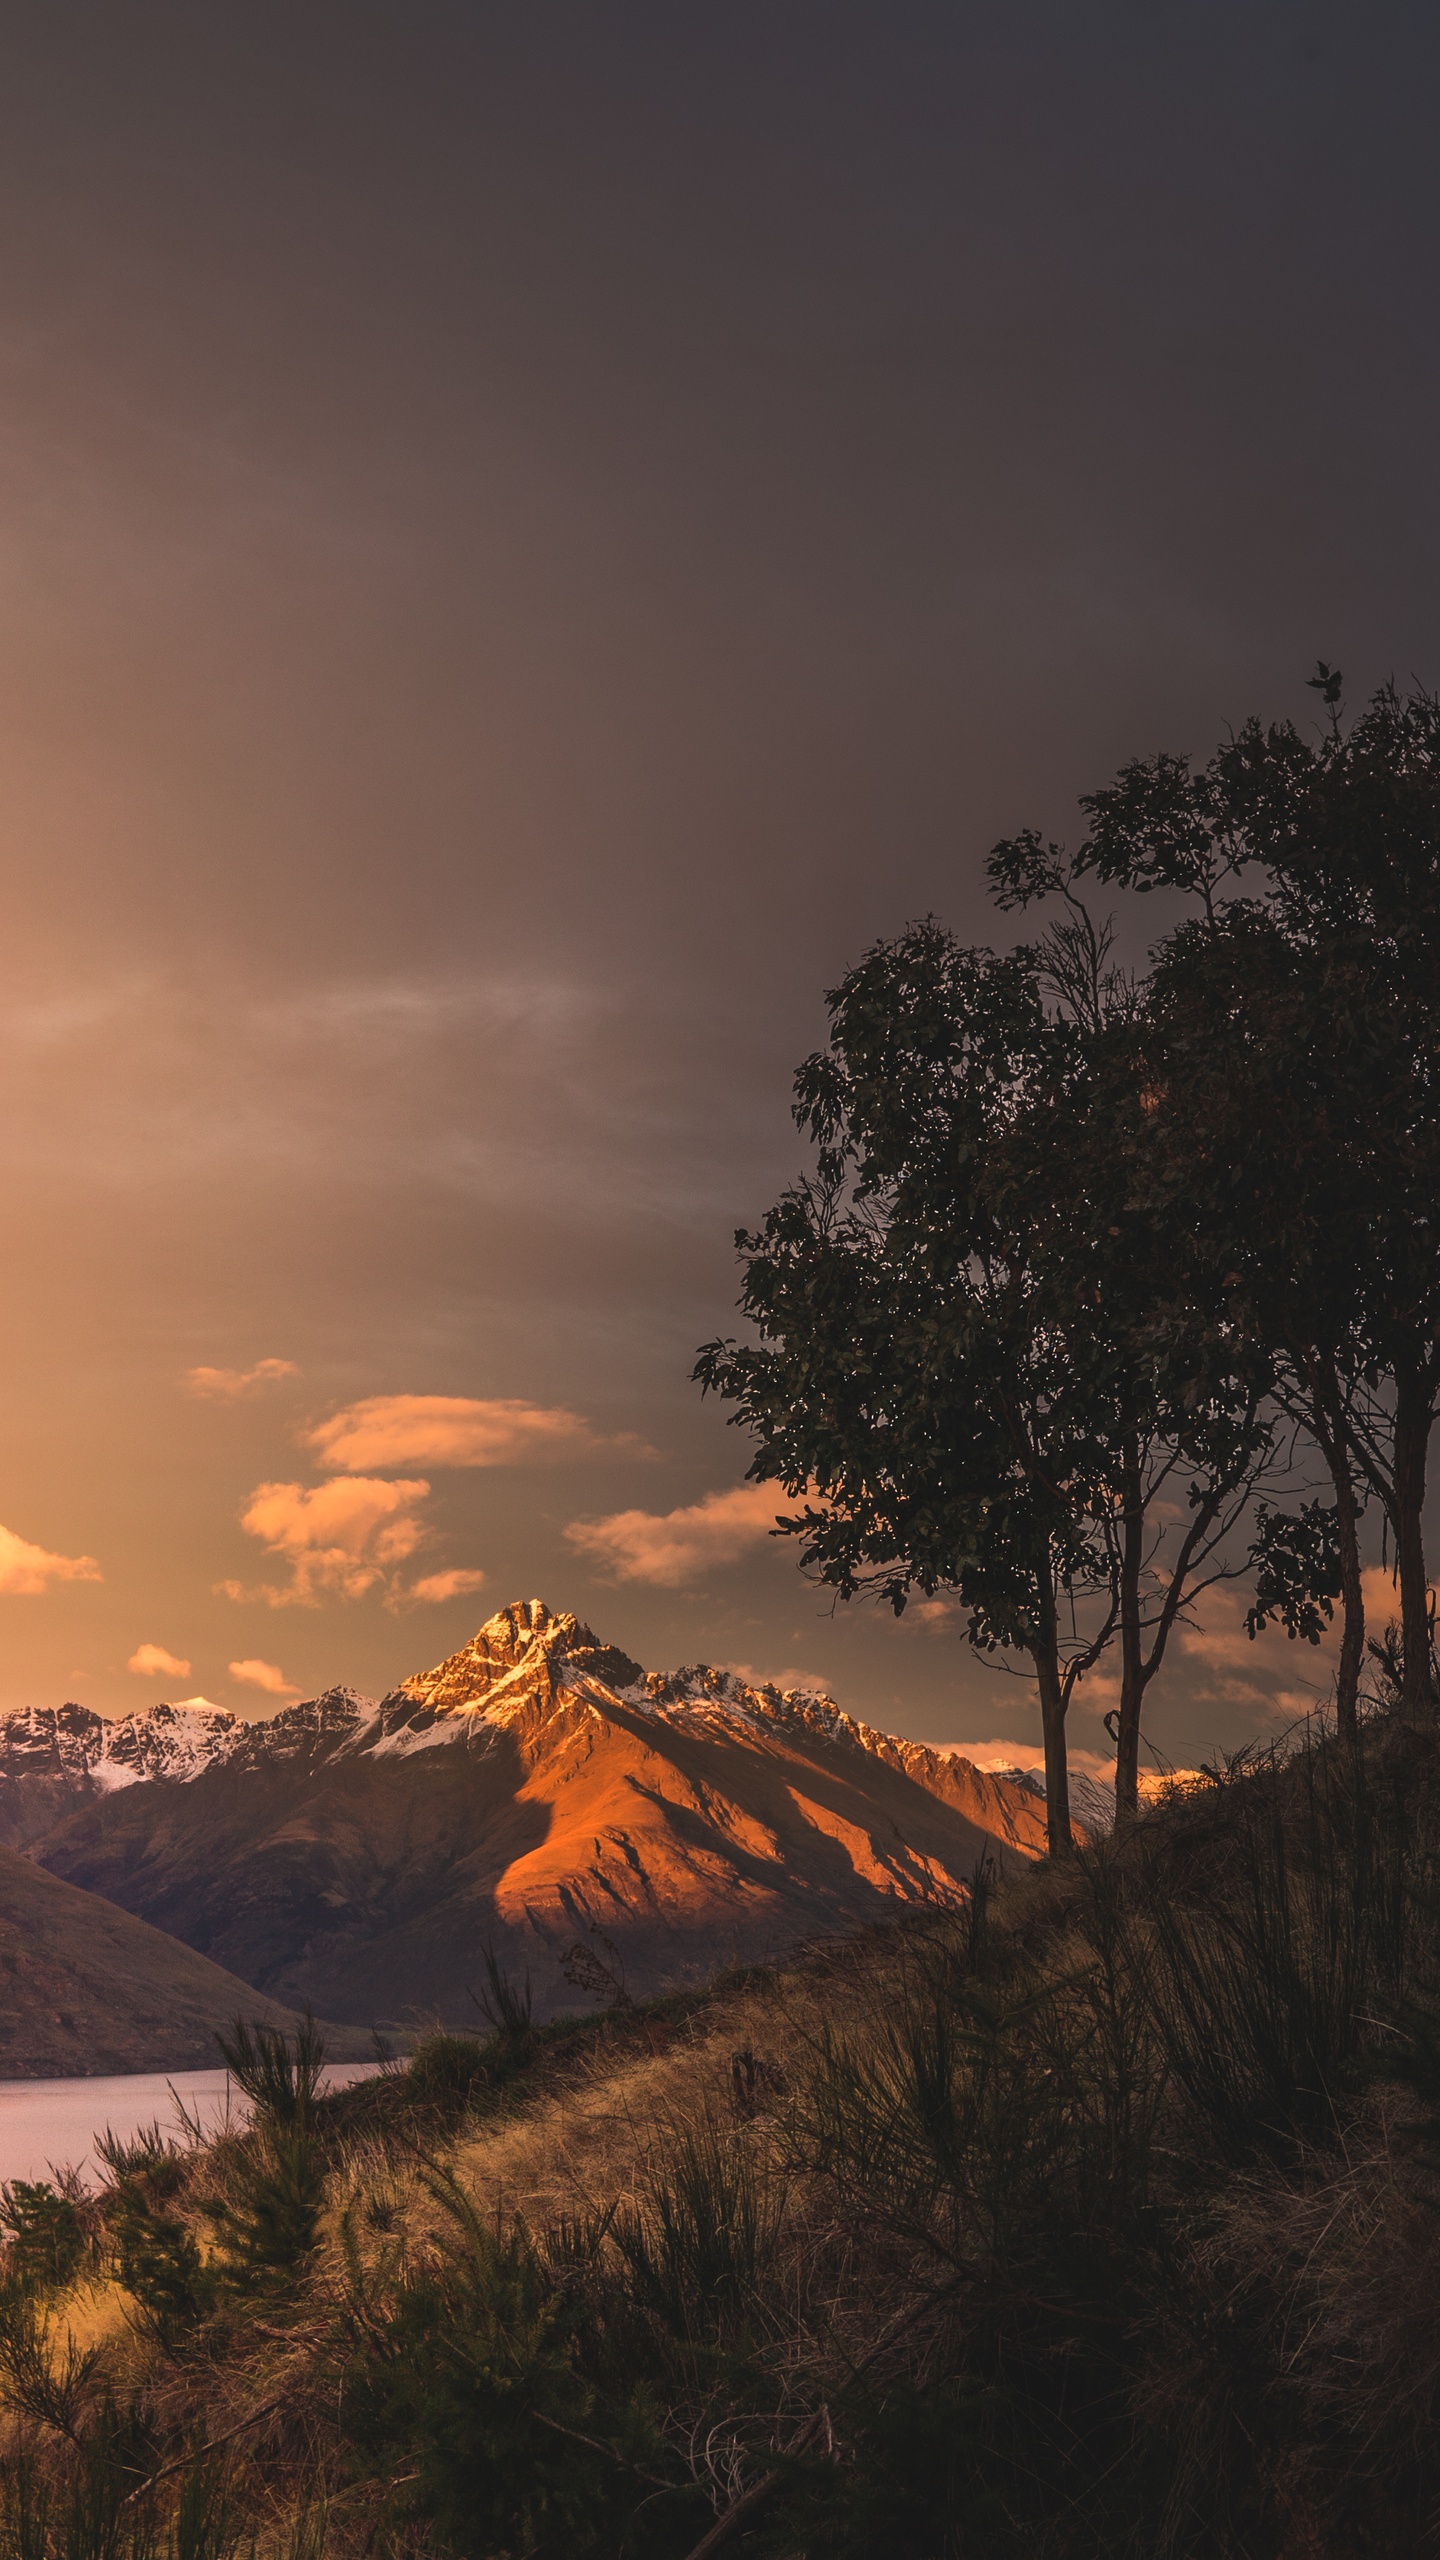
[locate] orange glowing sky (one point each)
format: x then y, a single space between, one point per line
529 536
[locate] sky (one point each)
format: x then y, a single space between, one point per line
529 535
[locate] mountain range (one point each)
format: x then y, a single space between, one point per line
536 1792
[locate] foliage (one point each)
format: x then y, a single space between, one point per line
1301 1016
1295 1558
508 2008
471 2368
446 2070
702 2239
47 2232
280 2078
972 1364
159 2262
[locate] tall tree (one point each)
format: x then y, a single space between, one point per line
953 1356
1316 866
1186 1388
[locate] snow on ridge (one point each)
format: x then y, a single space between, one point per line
174 1743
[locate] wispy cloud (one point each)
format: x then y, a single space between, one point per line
674 1548
456 1431
442 1586
338 1539
152 1661
27 1571
227 1386
1271 1673
264 1675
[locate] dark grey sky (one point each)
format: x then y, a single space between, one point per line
529 535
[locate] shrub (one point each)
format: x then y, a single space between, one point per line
48 2235
446 2070
468 2373
702 2239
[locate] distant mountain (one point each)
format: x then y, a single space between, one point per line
535 1791
52 1758
86 1988
1091 1805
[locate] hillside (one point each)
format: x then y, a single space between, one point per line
1099 2219
88 1989
536 1790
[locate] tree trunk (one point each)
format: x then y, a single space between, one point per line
1331 1434
1352 1603
1057 1769
1132 1667
1412 1435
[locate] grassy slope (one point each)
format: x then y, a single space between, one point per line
1106 2222
85 1988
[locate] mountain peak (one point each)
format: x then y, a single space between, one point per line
525 1636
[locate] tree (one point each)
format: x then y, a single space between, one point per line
1256 1118
1187 1388
957 1361
1303 1021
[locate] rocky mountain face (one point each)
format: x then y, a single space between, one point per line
535 1792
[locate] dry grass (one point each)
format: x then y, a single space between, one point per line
953 2240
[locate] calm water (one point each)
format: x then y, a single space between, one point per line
53 2123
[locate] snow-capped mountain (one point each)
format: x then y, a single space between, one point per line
536 1788
53 1757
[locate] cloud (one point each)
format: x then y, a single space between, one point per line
342 1537
1380 1588
443 1586
457 1431
227 1386
673 1548
264 1675
1003 1754
152 1661
1271 1672
941 1611
790 1676
26 1571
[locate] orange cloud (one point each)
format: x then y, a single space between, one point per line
1381 1591
227 1386
455 1431
1270 1672
26 1571
342 1537
443 1586
673 1548
264 1675
152 1661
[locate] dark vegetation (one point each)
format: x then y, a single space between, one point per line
1083 1250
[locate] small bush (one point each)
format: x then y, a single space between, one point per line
158 2261
447 2070
508 2008
281 2079
268 2223
467 2375
48 2236
702 2238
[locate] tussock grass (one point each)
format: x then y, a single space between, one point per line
1103 2220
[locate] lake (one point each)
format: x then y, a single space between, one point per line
53 2123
